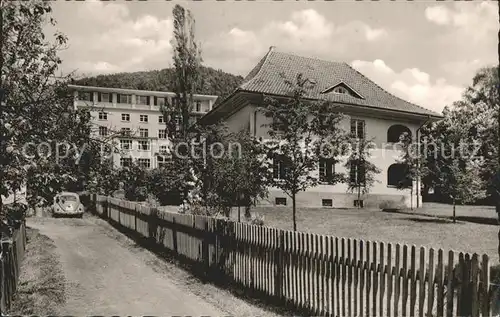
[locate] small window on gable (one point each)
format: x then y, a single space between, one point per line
342 88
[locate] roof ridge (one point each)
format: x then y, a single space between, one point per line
259 67
387 92
309 57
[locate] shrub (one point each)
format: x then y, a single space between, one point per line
256 219
388 205
84 198
15 214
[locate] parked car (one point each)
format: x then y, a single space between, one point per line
67 204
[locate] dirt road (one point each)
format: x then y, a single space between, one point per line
105 277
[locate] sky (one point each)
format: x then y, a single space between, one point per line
425 52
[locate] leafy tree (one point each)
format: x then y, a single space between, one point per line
33 99
361 170
481 103
252 170
38 113
235 172
298 130
187 64
186 81
135 180
461 181
165 185
453 164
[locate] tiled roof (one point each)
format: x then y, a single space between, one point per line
267 78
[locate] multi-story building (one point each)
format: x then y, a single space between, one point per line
372 113
134 120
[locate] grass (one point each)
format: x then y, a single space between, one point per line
375 225
41 283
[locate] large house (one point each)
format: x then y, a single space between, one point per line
133 118
373 113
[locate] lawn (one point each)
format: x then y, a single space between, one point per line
375 225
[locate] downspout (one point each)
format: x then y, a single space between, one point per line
417 138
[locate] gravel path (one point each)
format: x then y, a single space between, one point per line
105 277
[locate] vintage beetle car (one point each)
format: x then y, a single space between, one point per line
67 204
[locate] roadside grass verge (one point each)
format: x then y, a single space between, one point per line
41 283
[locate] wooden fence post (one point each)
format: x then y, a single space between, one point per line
484 287
205 252
174 238
2 279
278 259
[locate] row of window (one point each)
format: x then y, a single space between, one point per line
142 145
326 170
396 173
143 118
140 100
143 162
357 128
394 133
143 133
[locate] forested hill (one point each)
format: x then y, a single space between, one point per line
215 82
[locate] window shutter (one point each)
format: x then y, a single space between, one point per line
283 169
361 129
361 174
353 128
276 168
330 168
352 173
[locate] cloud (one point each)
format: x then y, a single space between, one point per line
470 18
114 41
306 32
374 34
411 84
438 14
468 30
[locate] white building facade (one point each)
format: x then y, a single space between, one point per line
133 120
371 113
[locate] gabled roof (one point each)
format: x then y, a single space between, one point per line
267 78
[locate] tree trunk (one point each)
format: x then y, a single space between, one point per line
454 214
294 213
359 197
411 198
247 212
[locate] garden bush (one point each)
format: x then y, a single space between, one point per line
391 205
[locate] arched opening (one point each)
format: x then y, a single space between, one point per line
394 133
397 176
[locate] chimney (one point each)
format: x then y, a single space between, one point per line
271 48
